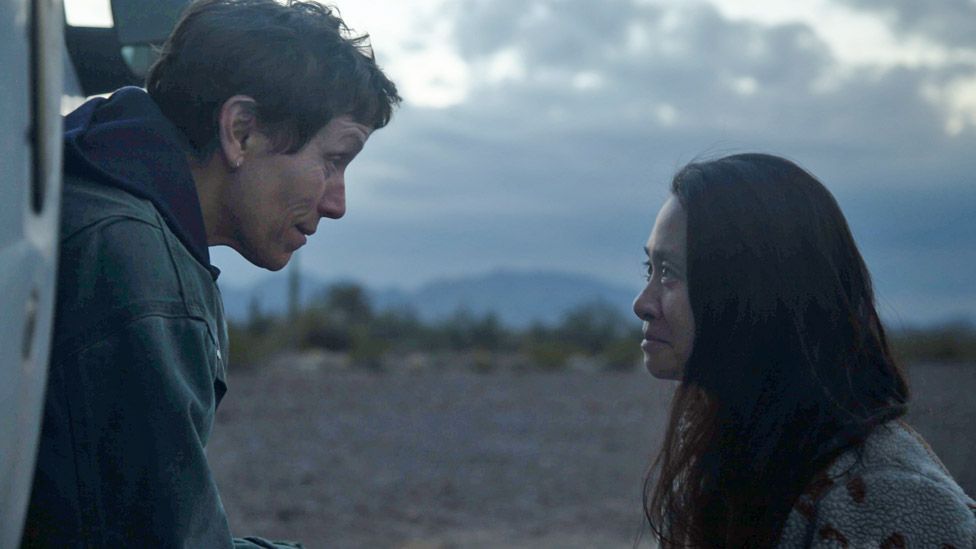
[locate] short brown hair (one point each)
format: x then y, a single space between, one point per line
297 59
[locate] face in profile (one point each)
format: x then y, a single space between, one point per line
279 198
663 305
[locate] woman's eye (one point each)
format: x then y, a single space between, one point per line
666 271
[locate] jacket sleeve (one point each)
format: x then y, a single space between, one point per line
125 428
893 508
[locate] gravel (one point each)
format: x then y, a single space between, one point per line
439 459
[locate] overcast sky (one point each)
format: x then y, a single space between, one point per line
541 134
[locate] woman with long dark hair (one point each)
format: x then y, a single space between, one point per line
784 430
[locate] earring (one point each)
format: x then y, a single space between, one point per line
237 164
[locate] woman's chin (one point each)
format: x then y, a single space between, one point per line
662 369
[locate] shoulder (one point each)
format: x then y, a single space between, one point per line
895 448
86 204
114 249
895 506
893 493
119 261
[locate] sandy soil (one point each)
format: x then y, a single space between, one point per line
457 459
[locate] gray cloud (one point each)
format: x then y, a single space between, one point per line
551 33
951 22
697 72
536 172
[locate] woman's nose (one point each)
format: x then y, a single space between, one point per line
333 202
645 304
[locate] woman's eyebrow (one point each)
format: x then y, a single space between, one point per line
662 255
349 146
356 139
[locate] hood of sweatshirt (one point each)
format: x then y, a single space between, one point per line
126 141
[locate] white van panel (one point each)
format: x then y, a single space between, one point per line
30 165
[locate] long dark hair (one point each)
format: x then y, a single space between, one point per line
790 364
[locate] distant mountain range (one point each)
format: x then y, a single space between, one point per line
518 298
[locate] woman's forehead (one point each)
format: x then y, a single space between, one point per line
670 230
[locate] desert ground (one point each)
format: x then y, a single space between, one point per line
443 459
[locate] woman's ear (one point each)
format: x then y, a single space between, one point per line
236 123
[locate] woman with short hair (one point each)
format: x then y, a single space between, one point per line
784 430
